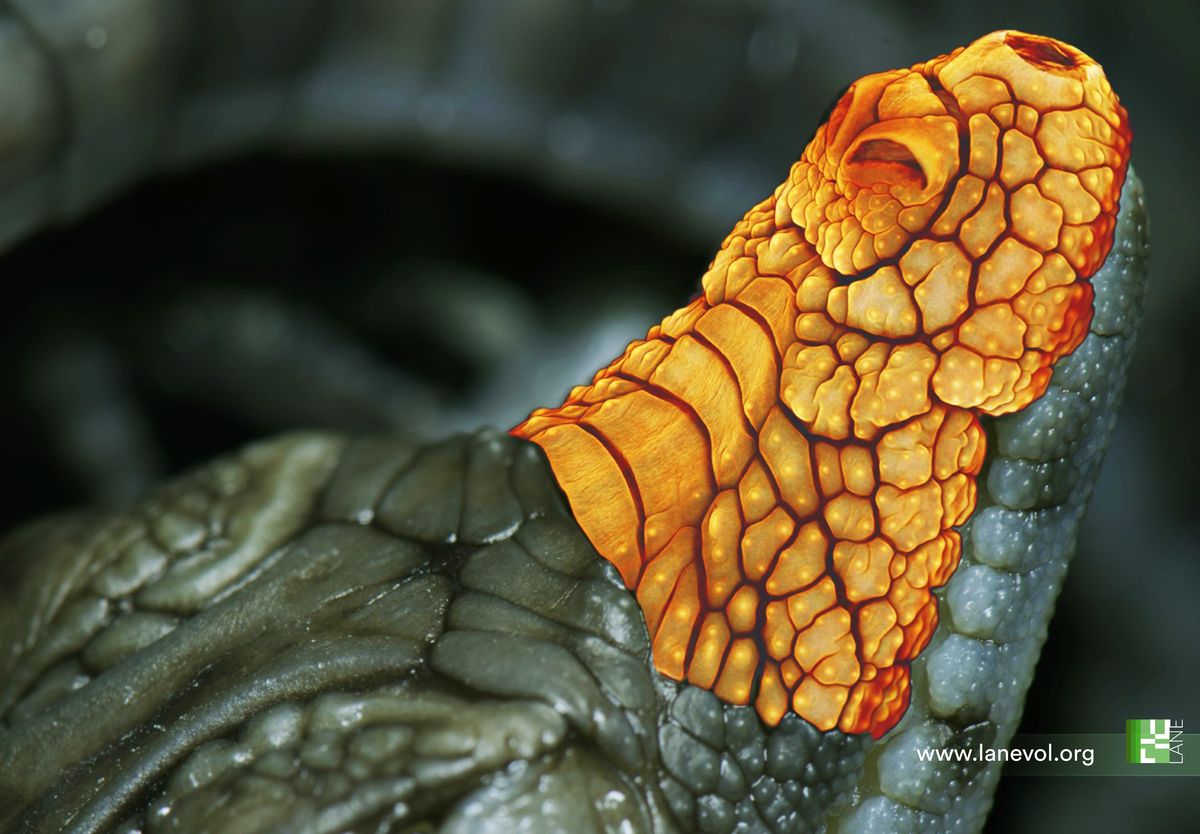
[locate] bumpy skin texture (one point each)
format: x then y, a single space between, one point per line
778 468
321 635
318 634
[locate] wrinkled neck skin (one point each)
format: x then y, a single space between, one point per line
778 468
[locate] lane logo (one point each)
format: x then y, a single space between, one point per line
1154 740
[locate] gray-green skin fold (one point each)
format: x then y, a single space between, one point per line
322 633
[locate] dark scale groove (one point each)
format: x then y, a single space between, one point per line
627 472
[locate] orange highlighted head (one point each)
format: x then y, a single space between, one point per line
989 179
778 469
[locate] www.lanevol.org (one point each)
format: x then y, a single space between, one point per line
1148 747
1085 756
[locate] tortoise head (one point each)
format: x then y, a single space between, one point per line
966 201
779 468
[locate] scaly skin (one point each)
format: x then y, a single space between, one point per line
778 468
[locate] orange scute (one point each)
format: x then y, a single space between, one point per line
778 469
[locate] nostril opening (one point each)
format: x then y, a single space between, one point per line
887 159
1040 52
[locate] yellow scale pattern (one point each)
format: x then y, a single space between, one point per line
777 469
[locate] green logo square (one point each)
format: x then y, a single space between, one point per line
1154 740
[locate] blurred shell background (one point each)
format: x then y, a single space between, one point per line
422 216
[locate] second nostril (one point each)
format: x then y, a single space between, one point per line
1041 52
